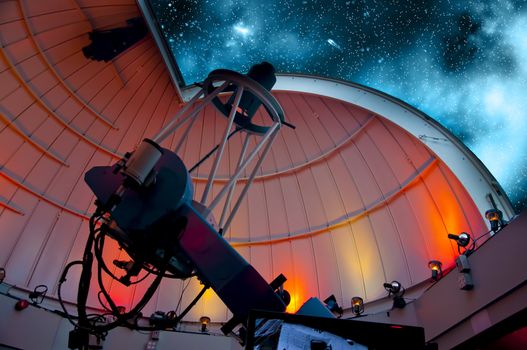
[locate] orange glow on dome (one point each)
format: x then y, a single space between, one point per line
298 295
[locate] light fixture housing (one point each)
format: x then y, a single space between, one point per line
393 287
495 217
204 320
463 239
357 306
396 290
437 270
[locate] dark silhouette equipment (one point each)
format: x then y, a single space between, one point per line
107 44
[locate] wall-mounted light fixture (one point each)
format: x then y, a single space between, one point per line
436 267
333 306
357 306
204 320
2 274
463 240
396 290
495 217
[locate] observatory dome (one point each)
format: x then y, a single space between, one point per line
363 191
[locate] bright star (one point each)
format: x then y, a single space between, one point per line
240 29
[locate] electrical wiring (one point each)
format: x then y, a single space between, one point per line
97 324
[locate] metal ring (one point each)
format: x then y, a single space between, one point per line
269 102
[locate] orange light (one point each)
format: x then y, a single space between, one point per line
296 289
357 305
204 320
436 267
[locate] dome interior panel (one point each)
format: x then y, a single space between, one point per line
327 268
477 227
386 139
307 145
361 175
330 196
12 32
8 86
258 213
30 241
42 173
446 201
261 259
10 142
278 220
9 12
349 264
411 239
376 163
389 245
52 259
325 120
311 199
373 272
16 102
293 202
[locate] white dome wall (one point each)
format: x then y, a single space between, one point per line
343 203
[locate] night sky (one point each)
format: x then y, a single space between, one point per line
464 63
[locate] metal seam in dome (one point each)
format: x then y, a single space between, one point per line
12 124
55 73
14 208
301 165
38 100
28 188
348 217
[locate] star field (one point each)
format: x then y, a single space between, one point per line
464 63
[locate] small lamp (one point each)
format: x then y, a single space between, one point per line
396 289
392 288
204 320
357 306
463 240
436 267
495 218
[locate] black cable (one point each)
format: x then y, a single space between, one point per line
213 150
167 275
182 293
99 244
85 278
102 302
483 235
59 292
177 319
121 318
191 305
